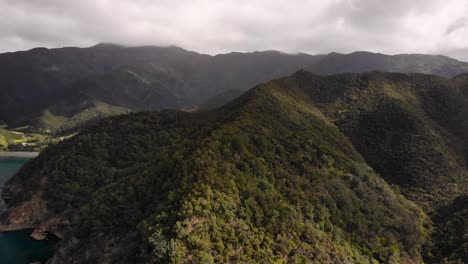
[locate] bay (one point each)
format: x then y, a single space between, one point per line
17 247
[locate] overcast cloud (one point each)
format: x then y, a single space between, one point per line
218 26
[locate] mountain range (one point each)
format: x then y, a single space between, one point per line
348 168
61 89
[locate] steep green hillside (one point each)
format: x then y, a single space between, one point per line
410 127
450 238
68 116
283 174
265 179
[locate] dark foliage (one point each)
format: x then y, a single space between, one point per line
279 175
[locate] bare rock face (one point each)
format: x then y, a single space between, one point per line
29 212
27 215
40 233
53 225
33 214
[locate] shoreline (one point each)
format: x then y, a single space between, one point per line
18 154
16 227
3 207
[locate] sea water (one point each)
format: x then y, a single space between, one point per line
17 247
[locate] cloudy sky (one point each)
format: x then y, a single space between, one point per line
218 26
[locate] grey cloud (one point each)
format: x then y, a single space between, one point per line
214 26
456 25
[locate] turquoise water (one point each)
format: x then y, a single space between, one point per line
8 166
17 247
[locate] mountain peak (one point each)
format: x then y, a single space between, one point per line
106 45
334 54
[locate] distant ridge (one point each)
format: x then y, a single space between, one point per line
67 87
362 61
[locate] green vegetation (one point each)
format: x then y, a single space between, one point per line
279 175
17 139
52 88
10 137
66 81
70 117
411 128
29 139
54 125
450 239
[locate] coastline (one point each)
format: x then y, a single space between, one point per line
18 154
3 207
16 227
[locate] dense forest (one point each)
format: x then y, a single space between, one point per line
349 168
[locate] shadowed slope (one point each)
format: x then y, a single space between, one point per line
267 178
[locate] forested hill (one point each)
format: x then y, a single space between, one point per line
61 88
411 128
350 168
65 88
